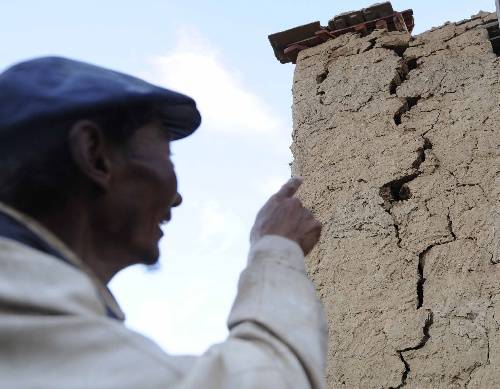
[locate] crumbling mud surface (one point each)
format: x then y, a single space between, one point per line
398 141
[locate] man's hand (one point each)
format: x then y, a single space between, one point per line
285 215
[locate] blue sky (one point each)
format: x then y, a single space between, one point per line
217 52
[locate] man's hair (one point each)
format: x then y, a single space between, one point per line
37 172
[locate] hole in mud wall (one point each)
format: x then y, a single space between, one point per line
397 190
404 193
321 77
412 64
320 95
393 86
400 50
412 101
397 119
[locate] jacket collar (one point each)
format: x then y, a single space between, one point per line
23 229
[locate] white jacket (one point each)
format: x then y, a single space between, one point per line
61 328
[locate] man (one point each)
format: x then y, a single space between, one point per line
86 181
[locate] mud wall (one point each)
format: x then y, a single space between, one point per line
398 141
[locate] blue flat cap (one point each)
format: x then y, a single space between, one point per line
52 87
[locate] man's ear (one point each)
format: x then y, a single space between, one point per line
90 152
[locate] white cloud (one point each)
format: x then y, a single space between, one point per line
194 67
218 224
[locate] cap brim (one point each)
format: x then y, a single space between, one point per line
180 120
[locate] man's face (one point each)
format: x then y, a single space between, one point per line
143 191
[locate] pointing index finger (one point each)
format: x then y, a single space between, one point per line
290 187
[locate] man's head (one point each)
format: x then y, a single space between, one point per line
130 187
106 166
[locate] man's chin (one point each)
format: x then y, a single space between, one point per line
150 262
148 257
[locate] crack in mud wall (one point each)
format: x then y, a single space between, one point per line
425 338
398 143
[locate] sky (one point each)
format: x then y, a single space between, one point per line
217 52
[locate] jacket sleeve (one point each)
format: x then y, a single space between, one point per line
277 327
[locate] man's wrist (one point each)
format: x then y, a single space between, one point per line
279 249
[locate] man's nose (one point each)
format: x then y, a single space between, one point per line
178 200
